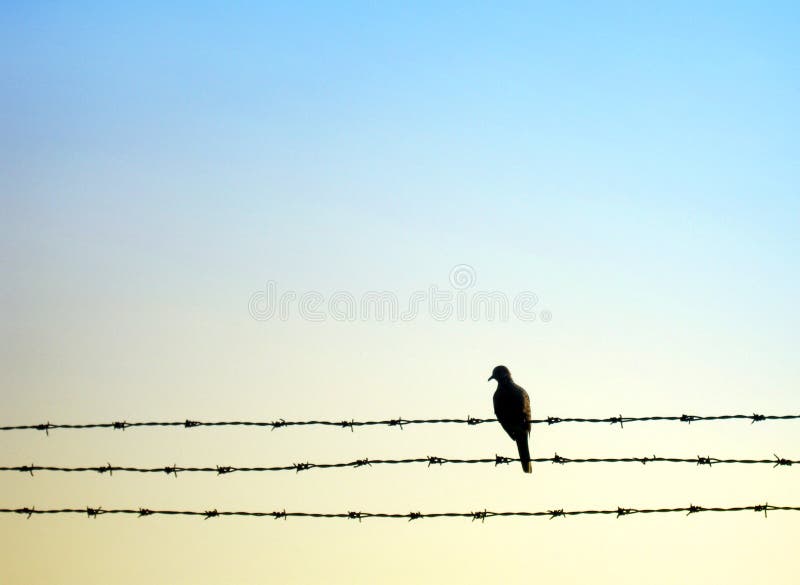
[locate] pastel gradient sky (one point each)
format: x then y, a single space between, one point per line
633 164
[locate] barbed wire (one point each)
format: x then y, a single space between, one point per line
396 422
480 515
430 460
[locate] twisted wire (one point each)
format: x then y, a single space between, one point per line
352 515
497 460
397 422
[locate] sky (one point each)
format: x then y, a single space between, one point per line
629 169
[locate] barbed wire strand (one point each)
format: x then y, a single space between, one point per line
397 422
480 515
430 460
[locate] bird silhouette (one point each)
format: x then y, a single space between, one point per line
513 410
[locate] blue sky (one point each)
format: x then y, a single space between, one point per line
633 164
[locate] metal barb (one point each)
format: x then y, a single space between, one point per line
355 516
479 516
498 459
781 461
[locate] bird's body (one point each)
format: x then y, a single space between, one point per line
512 406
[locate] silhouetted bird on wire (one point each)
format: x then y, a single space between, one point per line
513 409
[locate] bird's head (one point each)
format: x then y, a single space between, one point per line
500 373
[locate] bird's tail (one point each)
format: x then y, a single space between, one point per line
524 453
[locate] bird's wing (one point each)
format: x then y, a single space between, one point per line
526 409
507 408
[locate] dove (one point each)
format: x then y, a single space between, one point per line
512 406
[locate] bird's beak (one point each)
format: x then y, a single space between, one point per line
490 378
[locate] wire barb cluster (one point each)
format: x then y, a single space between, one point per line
353 515
396 422
429 460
